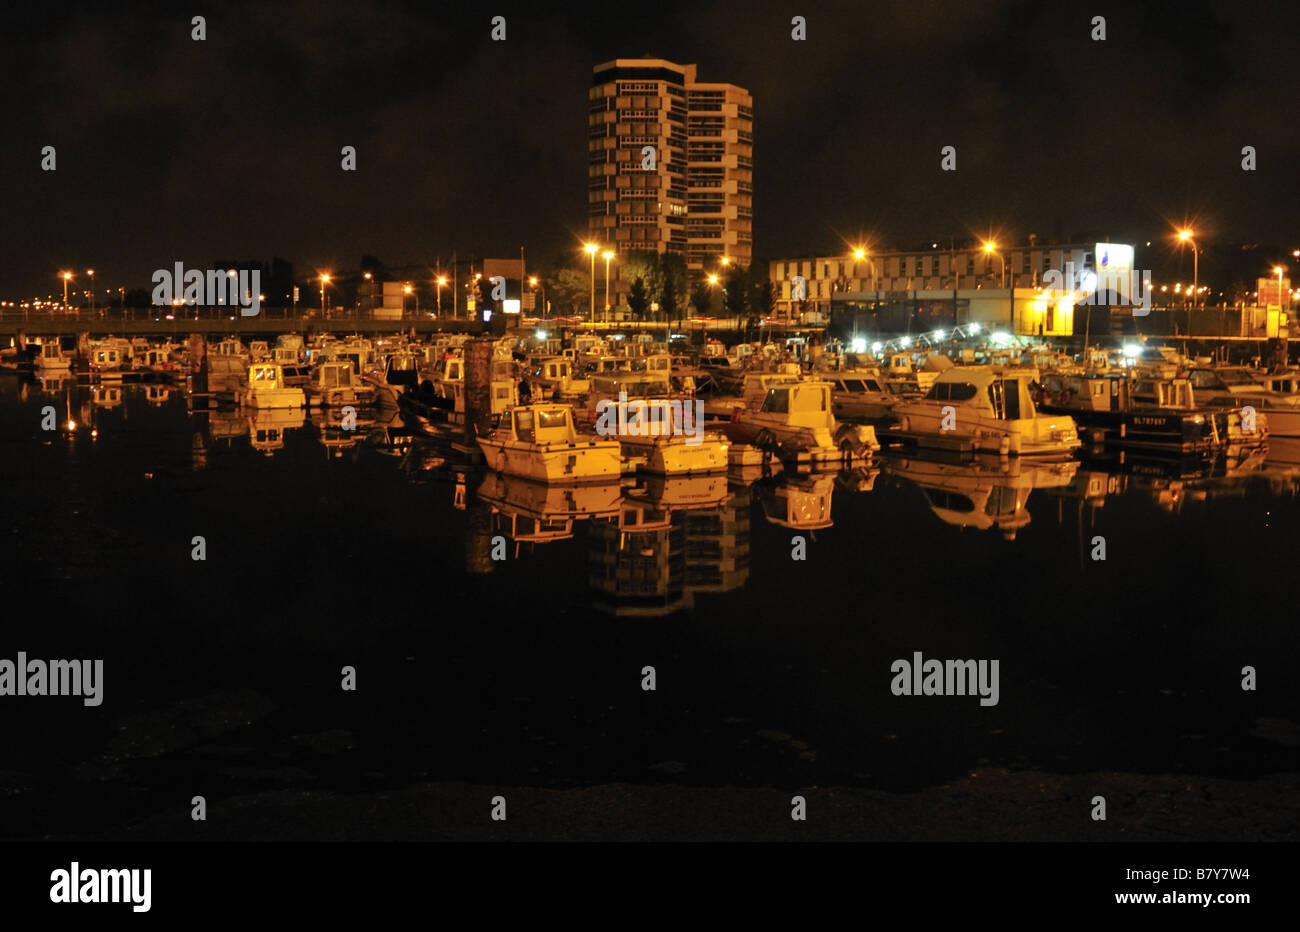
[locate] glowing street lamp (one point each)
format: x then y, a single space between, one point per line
91 273
324 280
1188 236
591 251
991 248
607 255
67 277
441 281
858 255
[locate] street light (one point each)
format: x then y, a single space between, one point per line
533 283
91 273
441 281
324 280
1187 236
591 251
607 255
67 277
858 255
991 249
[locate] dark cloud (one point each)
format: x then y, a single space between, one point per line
173 149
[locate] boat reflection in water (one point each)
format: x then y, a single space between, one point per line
338 430
267 427
669 540
984 492
531 512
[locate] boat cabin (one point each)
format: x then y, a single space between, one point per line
264 376
542 424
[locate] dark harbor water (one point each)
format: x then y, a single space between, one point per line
222 677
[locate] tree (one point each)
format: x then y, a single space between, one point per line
735 295
672 271
702 297
668 303
762 293
569 289
645 265
638 299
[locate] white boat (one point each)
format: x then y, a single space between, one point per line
663 437
53 357
859 395
391 378
552 377
331 385
541 442
989 410
1277 394
107 357
796 419
266 389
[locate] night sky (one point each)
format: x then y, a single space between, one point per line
171 149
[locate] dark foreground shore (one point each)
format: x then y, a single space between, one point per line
985 806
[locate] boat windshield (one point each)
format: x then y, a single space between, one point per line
555 417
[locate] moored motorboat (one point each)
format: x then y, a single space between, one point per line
985 409
541 442
266 389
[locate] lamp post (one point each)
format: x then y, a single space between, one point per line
991 249
535 284
607 256
91 273
324 280
1188 236
441 281
67 277
591 251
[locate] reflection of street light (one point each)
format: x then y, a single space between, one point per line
591 251
991 249
607 256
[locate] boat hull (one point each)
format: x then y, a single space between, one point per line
555 463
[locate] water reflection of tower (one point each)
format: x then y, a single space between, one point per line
717 545
636 562
655 556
